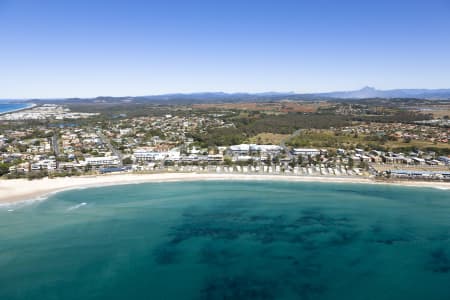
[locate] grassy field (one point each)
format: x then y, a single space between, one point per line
327 139
281 106
440 113
416 144
268 138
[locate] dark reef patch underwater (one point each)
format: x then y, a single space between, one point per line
229 240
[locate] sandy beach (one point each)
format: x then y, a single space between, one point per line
17 190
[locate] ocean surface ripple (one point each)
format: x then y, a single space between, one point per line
229 240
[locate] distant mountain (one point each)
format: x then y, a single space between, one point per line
370 92
221 97
218 96
179 98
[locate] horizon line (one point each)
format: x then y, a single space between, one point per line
218 92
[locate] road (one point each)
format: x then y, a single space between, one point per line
111 148
283 143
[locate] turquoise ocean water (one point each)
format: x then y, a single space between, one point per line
6 107
229 240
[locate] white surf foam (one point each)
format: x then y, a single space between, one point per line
77 206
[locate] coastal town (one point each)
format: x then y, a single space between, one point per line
51 140
225 150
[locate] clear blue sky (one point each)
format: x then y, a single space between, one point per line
86 48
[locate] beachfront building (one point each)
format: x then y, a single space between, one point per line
147 155
248 149
46 164
151 155
305 151
102 161
444 159
418 174
215 157
418 160
192 158
241 158
394 158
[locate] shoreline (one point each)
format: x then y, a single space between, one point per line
15 191
30 106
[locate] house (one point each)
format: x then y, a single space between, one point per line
340 151
359 151
418 161
444 159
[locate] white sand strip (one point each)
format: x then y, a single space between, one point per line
17 190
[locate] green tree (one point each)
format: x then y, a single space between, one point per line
276 160
127 161
4 169
350 162
227 161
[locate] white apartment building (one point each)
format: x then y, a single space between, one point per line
102 161
305 151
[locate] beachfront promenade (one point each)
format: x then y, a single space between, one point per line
264 170
18 190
